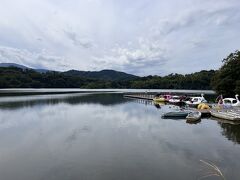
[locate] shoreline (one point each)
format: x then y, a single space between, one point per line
45 91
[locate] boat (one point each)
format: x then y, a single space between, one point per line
194 116
159 99
174 99
231 101
167 97
230 115
203 106
195 101
175 115
162 98
177 100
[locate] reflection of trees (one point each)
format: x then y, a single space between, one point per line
231 132
103 99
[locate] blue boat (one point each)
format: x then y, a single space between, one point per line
175 115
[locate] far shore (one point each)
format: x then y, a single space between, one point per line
30 91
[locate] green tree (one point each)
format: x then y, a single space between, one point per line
227 79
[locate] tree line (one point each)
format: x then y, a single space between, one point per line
12 77
226 80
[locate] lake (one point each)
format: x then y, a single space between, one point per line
103 136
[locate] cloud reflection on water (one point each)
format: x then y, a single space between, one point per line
108 137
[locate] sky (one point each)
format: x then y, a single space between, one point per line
142 37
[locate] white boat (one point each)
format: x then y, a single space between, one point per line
175 99
195 101
231 101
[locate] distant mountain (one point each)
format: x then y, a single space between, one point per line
104 75
22 67
108 75
42 70
13 65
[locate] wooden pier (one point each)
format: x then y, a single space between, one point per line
140 96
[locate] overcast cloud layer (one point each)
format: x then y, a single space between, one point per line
139 36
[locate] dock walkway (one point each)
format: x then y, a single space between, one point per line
140 96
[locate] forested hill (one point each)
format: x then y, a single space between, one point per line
106 74
225 81
198 80
13 77
109 75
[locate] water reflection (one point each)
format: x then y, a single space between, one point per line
231 132
105 137
230 129
106 99
193 122
158 105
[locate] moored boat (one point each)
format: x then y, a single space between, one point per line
174 99
195 101
159 99
177 100
194 116
203 106
231 101
167 97
176 114
162 98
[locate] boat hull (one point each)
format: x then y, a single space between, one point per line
192 105
176 102
194 116
236 104
175 115
159 100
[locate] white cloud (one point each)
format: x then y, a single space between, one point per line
135 60
33 60
140 36
83 42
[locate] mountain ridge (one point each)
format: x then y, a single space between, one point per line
14 65
105 74
23 67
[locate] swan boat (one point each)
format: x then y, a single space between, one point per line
231 101
195 101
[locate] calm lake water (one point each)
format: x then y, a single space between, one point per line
106 137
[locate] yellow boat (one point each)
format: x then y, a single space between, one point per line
203 106
159 99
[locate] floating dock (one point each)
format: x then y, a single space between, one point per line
229 114
140 96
